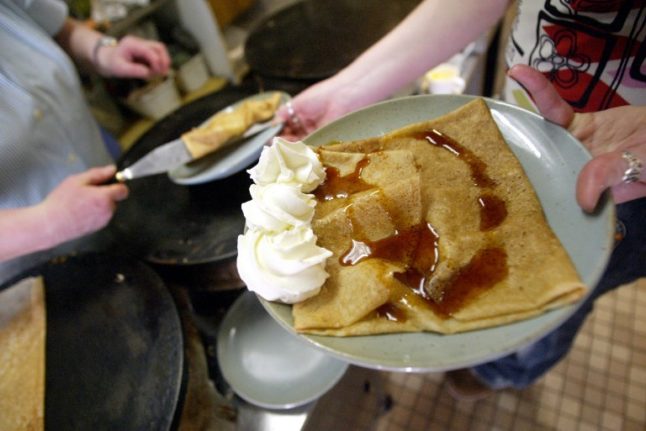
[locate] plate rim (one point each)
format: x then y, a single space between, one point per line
607 205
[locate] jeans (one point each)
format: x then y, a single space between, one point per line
627 264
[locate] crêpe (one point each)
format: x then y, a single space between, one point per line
486 256
22 356
230 124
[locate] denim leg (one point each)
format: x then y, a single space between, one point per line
627 263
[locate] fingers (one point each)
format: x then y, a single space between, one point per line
547 100
286 132
294 126
627 192
607 172
134 70
142 58
159 59
117 192
99 176
282 114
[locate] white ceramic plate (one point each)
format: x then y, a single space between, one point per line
551 158
266 365
231 159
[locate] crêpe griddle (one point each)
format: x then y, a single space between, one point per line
114 345
313 39
166 223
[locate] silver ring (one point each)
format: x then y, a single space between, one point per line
293 118
634 167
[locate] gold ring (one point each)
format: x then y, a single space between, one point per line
634 169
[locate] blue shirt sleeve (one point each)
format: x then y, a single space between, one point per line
49 14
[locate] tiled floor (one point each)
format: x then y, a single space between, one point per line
600 385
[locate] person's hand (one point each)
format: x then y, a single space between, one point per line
313 108
133 57
81 204
606 134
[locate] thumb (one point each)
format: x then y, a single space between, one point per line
97 175
547 100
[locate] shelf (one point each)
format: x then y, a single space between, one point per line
119 28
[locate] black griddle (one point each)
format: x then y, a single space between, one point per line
114 345
314 39
171 224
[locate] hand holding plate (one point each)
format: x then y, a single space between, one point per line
608 135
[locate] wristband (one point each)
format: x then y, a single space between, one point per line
103 41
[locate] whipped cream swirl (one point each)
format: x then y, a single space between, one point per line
289 163
287 266
278 257
276 207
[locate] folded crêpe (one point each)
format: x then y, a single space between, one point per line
230 124
434 227
22 356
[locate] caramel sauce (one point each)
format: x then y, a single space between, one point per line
476 165
392 312
486 268
493 211
416 248
336 186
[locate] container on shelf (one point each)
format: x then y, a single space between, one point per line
192 74
157 99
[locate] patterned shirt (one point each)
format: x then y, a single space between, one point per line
591 50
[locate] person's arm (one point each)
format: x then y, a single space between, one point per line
431 34
131 57
23 231
78 206
607 134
